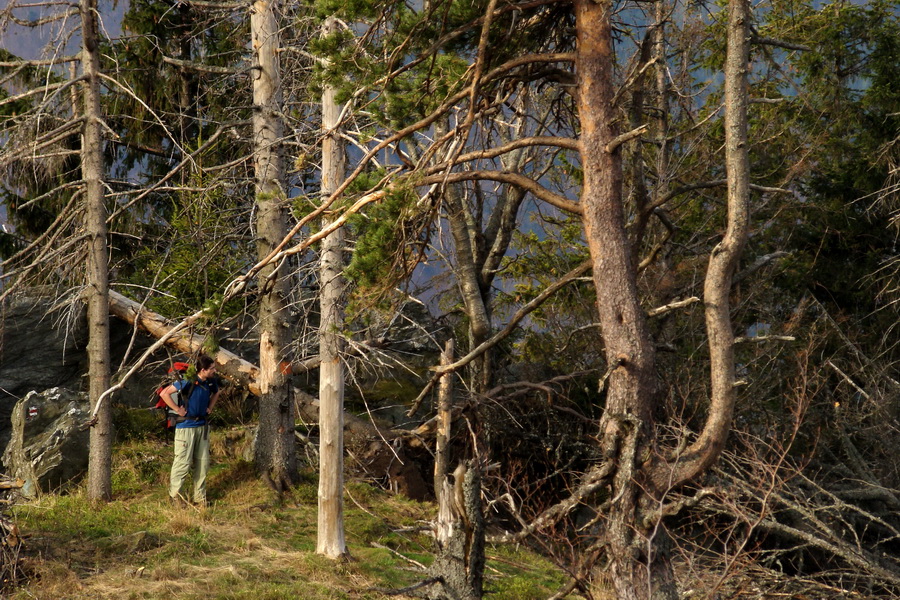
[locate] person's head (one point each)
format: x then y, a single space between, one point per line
205 366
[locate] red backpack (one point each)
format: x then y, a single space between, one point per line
178 369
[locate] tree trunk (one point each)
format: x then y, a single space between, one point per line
100 457
275 447
638 552
474 297
331 369
187 79
459 564
631 393
444 413
724 259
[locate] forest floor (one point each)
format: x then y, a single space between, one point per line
248 543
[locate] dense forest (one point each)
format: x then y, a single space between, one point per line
656 241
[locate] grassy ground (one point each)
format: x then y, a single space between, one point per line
247 544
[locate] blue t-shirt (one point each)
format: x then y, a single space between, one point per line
198 403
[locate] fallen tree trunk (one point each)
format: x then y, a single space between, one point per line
230 365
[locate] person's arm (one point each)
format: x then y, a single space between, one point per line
168 396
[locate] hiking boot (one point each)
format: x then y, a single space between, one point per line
177 501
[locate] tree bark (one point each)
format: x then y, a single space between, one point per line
444 413
275 454
631 390
725 257
100 456
459 565
475 298
637 550
331 370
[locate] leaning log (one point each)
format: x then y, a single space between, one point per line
229 365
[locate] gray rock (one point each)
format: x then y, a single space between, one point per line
39 349
48 447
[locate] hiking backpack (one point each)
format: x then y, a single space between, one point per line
179 369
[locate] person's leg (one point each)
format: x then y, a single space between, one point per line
201 464
181 465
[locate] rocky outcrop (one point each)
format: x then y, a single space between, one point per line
43 345
48 447
40 348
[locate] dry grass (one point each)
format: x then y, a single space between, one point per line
247 545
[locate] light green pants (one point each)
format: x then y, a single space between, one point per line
191 454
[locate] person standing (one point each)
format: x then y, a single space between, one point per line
192 429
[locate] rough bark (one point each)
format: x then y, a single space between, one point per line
331 370
275 454
638 566
100 461
636 547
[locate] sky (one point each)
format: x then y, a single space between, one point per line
32 43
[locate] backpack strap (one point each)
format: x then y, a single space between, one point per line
184 396
187 390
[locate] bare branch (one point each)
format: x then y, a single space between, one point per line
39 22
201 68
526 183
499 336
759 339
39 62
626 137
594 480
50 87
219 5
758 264
661 310
560 142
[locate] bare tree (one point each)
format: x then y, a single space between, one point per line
77 236
331 370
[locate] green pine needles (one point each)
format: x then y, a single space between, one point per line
390 240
